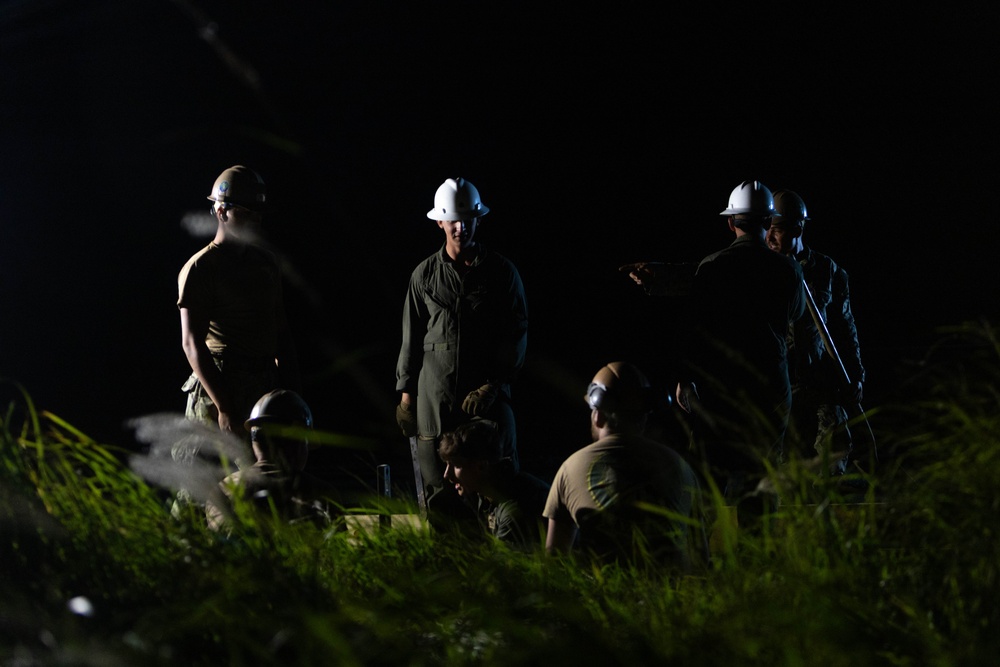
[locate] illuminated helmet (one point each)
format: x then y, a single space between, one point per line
457 199
620 387
281 407
240 186
751 198
790 207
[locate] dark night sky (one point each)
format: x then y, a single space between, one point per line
597 137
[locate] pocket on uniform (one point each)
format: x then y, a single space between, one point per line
190 383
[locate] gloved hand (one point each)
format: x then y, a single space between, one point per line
643 274
854 392
687 396
406 417
479 401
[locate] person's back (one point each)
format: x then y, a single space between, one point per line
735 378
239 286
743 299
634 502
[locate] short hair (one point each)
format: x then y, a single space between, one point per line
475 441
746 221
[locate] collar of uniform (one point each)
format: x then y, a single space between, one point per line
748 239
804 256
445 258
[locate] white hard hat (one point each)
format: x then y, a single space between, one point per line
457 199
751 198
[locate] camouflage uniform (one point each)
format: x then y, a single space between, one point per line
818 413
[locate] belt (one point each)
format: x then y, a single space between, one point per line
439 347
234 362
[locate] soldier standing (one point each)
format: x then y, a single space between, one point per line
820 389
735 377
465 327
233 327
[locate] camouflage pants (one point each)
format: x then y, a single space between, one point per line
244 387
820 428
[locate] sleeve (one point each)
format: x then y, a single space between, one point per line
508 528
797 305
694 315
555 507
192 289
512 356
842 327
414 327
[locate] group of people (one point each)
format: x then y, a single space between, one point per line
771 355
759 317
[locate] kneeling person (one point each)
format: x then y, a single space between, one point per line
508 502
624 494
279 428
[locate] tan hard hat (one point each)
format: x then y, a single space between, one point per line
620 387
790 207
240 186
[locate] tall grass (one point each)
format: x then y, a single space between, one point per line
97 572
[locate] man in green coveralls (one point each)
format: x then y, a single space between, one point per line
465 328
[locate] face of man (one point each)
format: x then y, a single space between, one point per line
780 238
466 475
288 455
459 233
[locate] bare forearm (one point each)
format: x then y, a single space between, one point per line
560 537
201 362
287 359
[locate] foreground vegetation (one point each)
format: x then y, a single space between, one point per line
96 572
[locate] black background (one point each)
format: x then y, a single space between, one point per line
598 135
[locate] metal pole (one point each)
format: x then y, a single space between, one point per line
384 484
831 349
418 478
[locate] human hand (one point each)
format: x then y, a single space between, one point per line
854 392
642 273
662 279
406 418
228 425
479 401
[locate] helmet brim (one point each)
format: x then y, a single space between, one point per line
747 211
435 214
257 207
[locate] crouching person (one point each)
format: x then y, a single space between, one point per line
507 503
625 497
277 484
